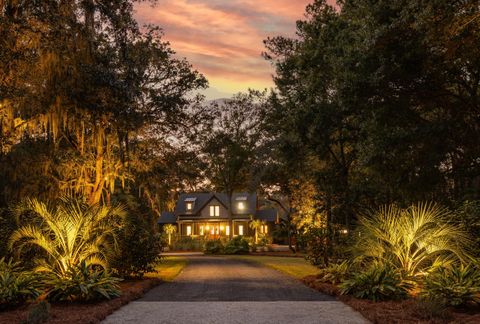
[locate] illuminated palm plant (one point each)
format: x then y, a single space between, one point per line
69 233
412 239
169 230
256 225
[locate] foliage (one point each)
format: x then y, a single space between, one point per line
335 273
139 244
411 239
379 282
237 245
213 247
468 216
16 284
187 243
169 229
318 245
7 226
83 282
68 232
456 285
38 314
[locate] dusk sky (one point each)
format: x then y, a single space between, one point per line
223 39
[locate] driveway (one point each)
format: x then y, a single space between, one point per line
223 290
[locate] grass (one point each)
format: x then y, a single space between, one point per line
169 268
295 267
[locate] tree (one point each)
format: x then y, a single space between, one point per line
170 229
229 150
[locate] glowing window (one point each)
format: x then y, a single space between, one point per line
240 229
202 232
189 230
214 210
241 205
227 230
189 206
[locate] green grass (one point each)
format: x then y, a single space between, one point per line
295 267
169 268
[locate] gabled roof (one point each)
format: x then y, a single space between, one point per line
201 199
167 218
268 215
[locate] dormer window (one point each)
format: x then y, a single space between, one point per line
189 202
241 202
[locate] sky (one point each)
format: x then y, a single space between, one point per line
223 39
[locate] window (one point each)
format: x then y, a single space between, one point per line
214 210
264 229
189 230
202 232
240 229
241 205
189 202
227 230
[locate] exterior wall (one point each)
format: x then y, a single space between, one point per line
205 212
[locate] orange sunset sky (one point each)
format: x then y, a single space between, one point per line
223 39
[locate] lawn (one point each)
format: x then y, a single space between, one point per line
169 268
295 267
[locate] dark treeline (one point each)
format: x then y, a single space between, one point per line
377 102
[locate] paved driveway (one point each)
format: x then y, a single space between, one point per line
221 290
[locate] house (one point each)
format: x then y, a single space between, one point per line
213 215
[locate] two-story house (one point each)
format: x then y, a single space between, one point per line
213 215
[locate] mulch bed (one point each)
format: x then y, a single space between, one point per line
404 311
84 313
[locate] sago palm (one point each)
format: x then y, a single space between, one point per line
68 233
413 239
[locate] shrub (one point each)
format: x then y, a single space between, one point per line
454 285
335 273
139 245
378 282
16 285
83 283
187 243
67 233
411 239
237 245
213 247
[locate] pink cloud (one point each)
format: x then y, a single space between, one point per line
224 39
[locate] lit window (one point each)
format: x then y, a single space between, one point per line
212 231
227 230
189 206
241 205
201 230
214 210
189 230
240 229
265 229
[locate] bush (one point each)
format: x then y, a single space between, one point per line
83 283
213 247
335 273
187 243
237 245
453 286
139 246
379 282
16 285
412 239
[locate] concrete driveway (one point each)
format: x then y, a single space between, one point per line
222 290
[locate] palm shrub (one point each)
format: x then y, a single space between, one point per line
67 233
335 273
412 239
169 229
378 282
83 283
16 285
454 285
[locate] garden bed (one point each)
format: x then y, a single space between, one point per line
82 313
403 311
